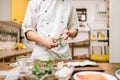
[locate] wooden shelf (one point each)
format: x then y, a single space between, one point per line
85 43
100 39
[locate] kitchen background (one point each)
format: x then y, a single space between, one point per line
97 19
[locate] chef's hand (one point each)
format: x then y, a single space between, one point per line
65 35
69 33
49 42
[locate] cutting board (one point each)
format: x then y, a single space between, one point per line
84 68
88 69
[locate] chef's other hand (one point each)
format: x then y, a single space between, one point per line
73 33
69 33
65 35
49 42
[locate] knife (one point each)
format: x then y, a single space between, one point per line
61 41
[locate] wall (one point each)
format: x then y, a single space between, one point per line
4 10
18 9
114 31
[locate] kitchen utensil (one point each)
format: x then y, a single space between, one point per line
61 41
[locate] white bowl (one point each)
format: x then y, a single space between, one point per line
64 73
117 73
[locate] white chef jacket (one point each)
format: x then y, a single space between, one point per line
49 18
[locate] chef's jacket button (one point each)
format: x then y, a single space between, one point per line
48 35
43 0
45 10
61 21
47 23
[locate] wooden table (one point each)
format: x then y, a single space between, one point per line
12 54
110 68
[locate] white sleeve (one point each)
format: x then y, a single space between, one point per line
30 17
73 18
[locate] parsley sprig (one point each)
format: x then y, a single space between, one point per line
39 71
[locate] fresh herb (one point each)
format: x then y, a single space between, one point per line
49 65
39 71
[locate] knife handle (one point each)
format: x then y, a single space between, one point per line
60 41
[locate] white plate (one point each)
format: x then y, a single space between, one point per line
107 76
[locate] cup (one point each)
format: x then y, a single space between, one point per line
25 64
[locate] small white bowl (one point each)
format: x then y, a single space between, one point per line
64 73
117 73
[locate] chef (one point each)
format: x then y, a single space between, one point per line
47 21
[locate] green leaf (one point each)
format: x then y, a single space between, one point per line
60 41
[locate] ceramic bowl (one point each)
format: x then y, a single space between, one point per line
64 73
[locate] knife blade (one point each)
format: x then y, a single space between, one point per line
71 40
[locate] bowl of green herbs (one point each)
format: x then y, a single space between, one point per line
43 69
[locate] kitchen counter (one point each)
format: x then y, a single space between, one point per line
12 54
